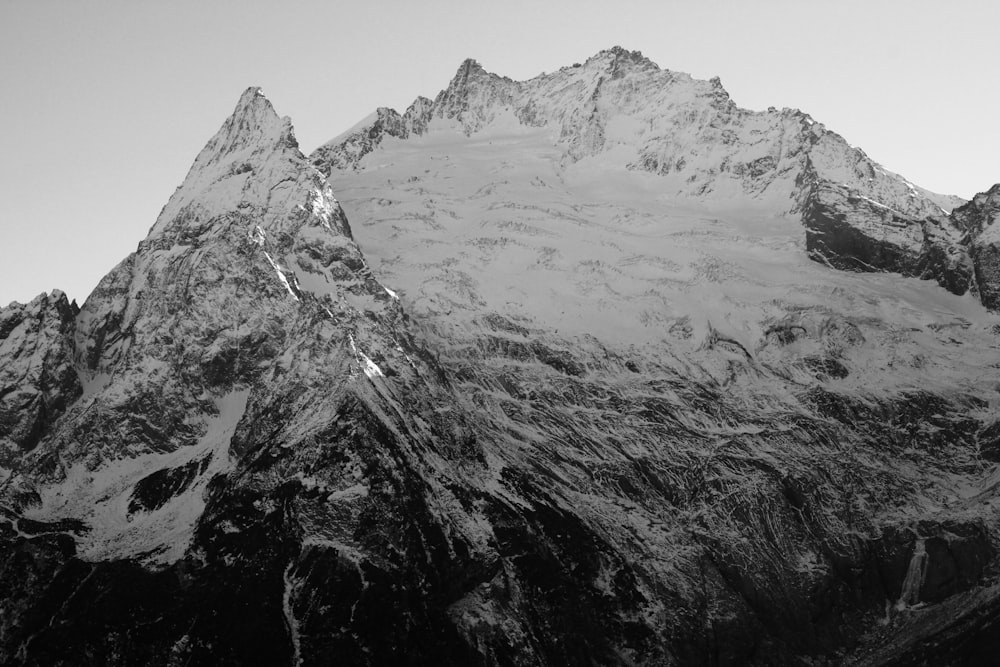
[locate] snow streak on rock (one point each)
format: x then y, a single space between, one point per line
916 573
291 622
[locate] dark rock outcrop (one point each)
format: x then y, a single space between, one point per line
856 233
853 232
980 220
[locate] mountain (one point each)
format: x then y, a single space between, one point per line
572 388
234 452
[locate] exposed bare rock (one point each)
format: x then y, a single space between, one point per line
349 148
855 233
38 379
979 220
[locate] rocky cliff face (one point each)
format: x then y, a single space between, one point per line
854 233
561 419
38 379
347 150
978 220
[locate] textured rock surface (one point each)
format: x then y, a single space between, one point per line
979 220
607 429
37 377
349 148
854 233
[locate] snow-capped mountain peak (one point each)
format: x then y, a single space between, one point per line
253 160
621 107
253 125
619 110
617 59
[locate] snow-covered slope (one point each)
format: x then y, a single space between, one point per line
619 109
495 223
498 205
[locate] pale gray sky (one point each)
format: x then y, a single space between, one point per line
105 104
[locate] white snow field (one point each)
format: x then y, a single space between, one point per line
500 222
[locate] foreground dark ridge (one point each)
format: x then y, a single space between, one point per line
242 450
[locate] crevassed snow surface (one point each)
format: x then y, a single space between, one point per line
500 222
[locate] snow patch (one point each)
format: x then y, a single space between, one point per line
16 528
290 621
915 575
350 493
324 205
370 368
101 498
281 276
257 236
881 205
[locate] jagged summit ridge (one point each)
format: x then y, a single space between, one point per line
622 107
618 58
619 109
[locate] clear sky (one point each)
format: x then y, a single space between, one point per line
104 104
